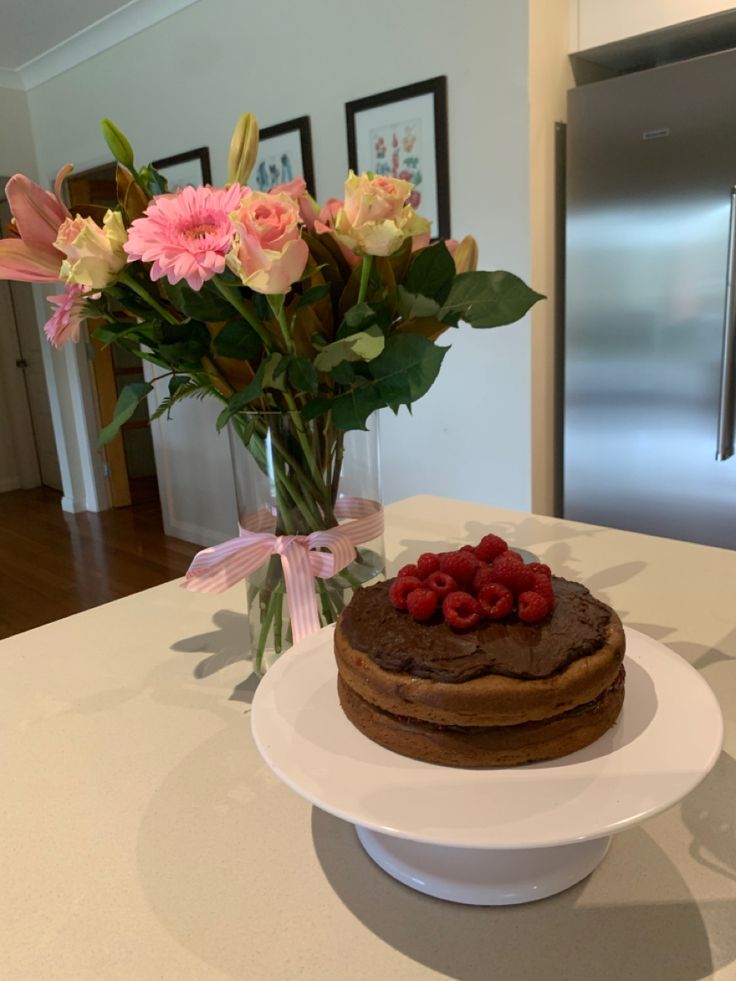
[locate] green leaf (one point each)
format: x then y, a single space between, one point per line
431 273
407 368
111 333
351 410
238 339
184 387
274 371
343 373
128 401
184 345
313 295
238 401
205 304
302 375
363 316
399 376
414 306
363 346
487 299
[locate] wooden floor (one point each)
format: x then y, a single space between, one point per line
53 564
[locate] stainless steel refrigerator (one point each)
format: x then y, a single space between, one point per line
650 311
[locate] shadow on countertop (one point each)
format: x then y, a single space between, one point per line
653 930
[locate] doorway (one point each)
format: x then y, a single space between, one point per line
28 456
130 465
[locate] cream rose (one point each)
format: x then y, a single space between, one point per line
375 218
94 255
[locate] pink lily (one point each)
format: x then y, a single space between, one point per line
29 254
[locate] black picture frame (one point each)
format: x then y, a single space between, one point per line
300 132
178 171
436 89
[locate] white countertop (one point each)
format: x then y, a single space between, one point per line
142 837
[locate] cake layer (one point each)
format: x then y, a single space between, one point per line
486 746
488 700
575 628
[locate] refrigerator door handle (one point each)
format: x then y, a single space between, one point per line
724 448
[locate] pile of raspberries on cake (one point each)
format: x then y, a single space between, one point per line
477 581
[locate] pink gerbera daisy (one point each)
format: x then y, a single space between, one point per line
64 325
186 235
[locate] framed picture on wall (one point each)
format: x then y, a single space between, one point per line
403 133
284 152
192 167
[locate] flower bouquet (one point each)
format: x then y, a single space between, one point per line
300 320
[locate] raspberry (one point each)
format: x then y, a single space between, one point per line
462 566
441 583
540 567
483 577
489 547
495 601
543 586
460 610
400 589
532 607
467 548
510 556
422 603
427 563
408 570
513 574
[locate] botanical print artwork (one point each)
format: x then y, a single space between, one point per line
273 170
396 151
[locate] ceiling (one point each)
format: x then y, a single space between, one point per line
30 28
42 38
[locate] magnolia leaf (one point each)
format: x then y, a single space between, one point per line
363 346
128 401
487 299
238 401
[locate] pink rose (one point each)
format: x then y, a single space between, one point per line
268 252
297 189
325 223
375 218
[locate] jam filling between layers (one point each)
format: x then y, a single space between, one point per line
588 708
576 628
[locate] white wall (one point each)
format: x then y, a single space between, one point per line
184 82
603 21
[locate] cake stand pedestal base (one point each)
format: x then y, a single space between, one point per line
483 876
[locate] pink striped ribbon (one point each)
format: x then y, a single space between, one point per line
216 569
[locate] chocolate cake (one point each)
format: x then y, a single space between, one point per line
503 692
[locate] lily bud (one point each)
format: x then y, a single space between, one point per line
118 144
243 149
466 255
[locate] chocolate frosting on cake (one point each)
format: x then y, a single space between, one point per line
575 628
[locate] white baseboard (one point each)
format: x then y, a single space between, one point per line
72 505
196 534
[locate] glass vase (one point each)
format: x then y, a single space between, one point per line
294 478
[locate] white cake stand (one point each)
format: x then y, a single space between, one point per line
501 835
